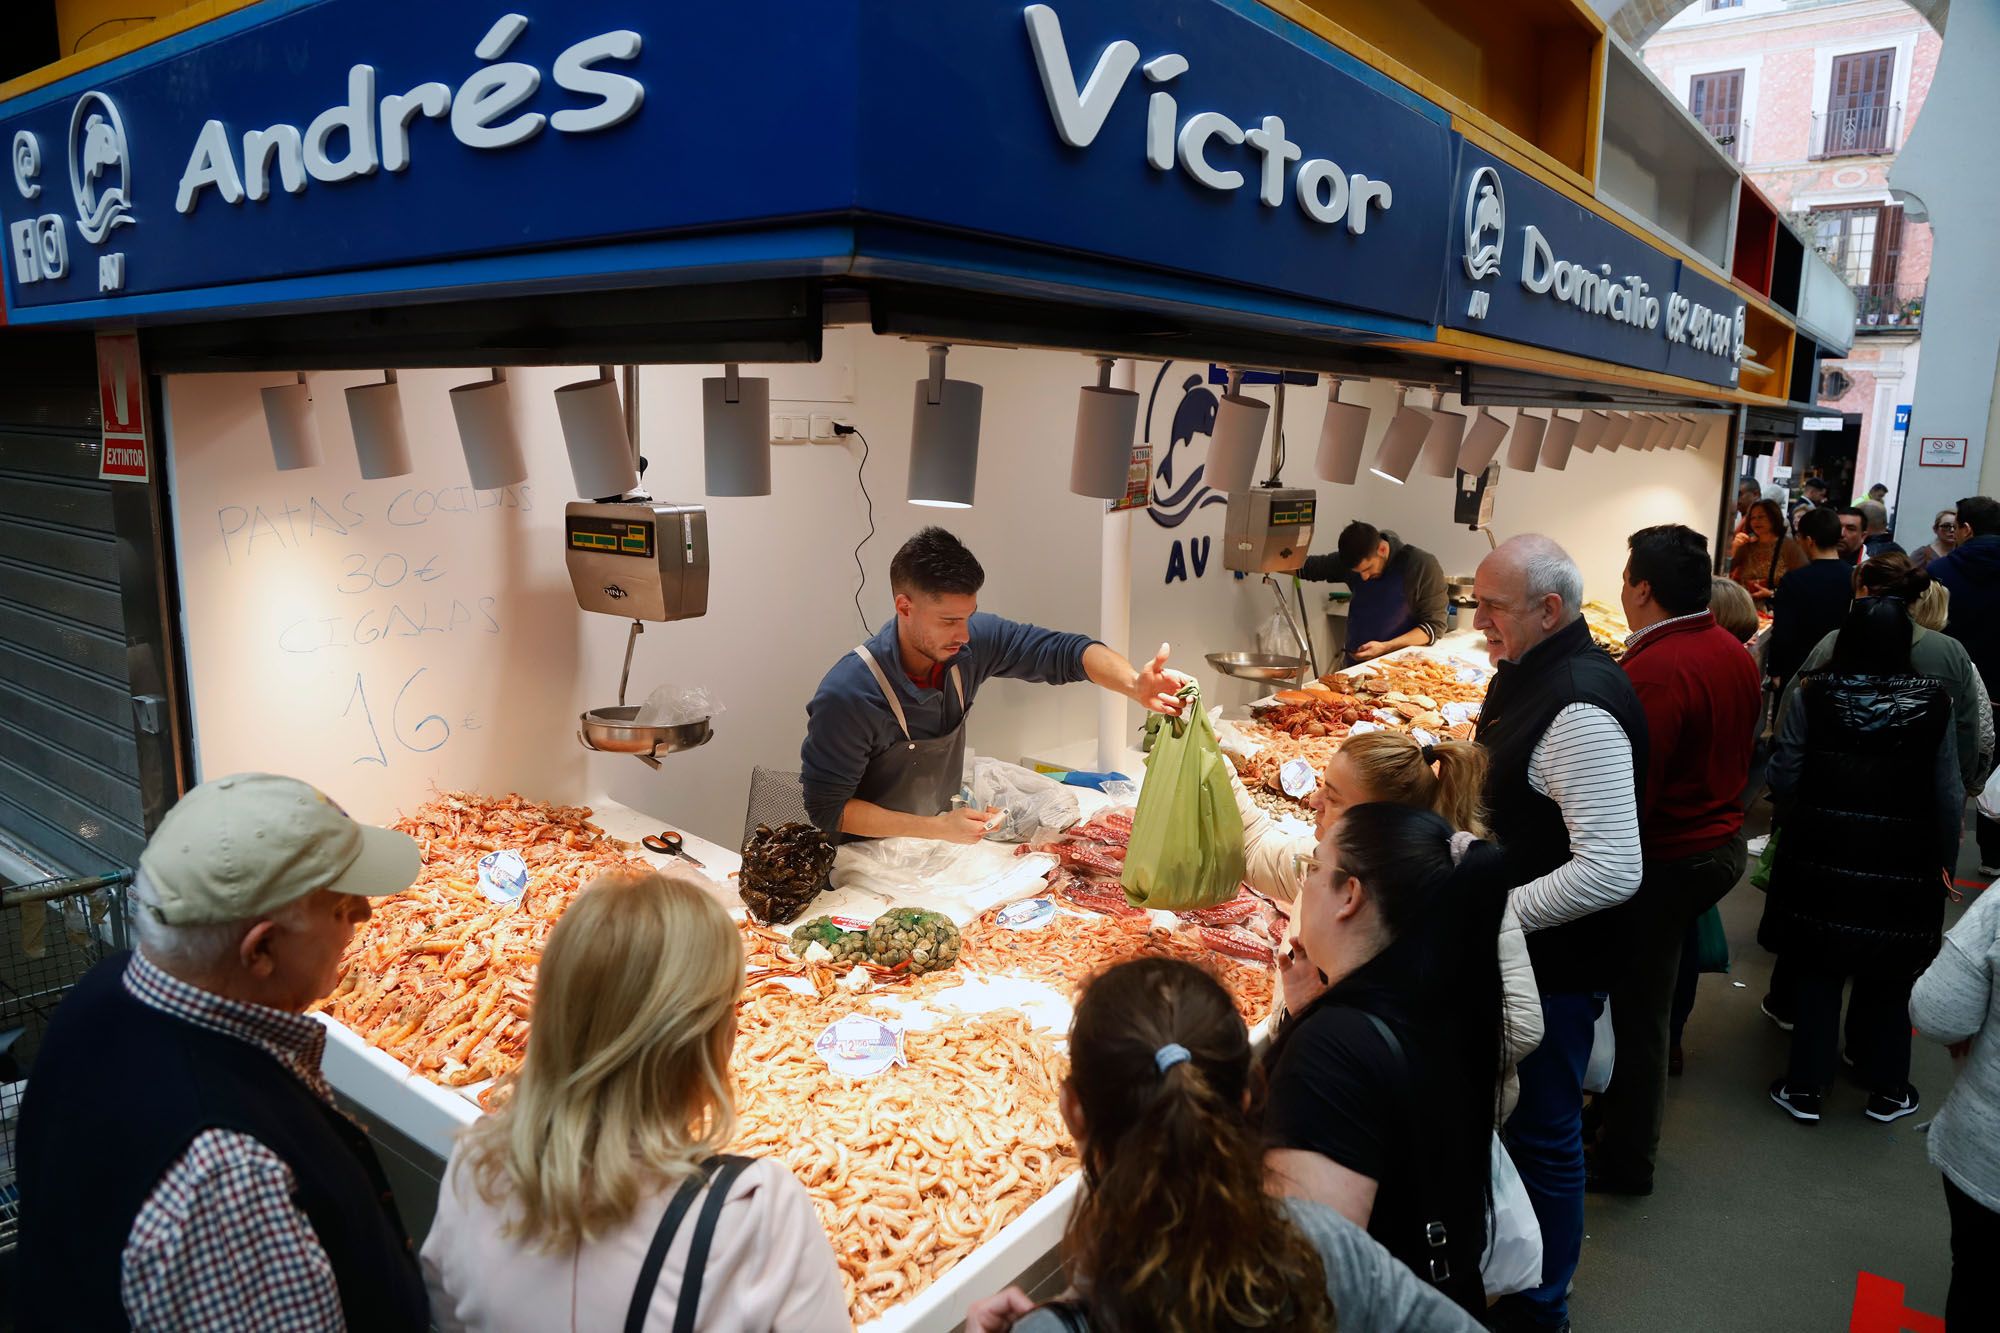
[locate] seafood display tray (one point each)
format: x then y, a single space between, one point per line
387 1090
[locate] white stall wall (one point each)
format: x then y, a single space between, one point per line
382 637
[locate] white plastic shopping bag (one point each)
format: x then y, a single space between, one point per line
1513 1258
1597 1074
1989 798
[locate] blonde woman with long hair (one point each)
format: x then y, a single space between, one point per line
577 1203
1395 767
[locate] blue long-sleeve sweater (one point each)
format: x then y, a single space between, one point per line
848 721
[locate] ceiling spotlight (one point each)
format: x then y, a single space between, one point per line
1657 430
1100 462
1340 435
593 427
1590 431
484 411
1482 442
1558 441
1525 448
944 438
294 434
736 434
1237 440
1442 444
1397 453
1690 431
376 413
1617 431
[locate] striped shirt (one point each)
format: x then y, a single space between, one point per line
1583 763
220 1246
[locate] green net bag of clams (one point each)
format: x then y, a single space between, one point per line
925 941
1187 834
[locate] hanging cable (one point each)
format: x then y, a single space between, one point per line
861 478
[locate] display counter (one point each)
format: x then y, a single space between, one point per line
978 994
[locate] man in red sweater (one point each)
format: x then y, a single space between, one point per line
1701 695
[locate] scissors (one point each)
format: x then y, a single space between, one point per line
669 843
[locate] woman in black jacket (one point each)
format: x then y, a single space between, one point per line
1870 799
1383 1088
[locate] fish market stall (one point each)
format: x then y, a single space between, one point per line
907 1076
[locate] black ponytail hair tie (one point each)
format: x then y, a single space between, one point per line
1429 752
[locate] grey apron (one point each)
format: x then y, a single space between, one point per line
914 777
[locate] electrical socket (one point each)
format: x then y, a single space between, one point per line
822 428
787 429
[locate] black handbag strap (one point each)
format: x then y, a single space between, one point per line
1438 1267
1071 1314
723 1171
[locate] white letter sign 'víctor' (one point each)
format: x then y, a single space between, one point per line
1326 194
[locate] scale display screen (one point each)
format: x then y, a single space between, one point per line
611 536
1291 515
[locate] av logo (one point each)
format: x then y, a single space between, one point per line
100 179
1485 233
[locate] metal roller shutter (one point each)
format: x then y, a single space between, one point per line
69 767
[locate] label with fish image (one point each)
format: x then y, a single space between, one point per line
1298 778
1028 914
503 875
859 1046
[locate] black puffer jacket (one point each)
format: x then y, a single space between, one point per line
1870 799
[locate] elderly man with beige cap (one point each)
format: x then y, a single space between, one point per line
182 1163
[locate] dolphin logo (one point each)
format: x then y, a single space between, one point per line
1171 506
97 154
1485 212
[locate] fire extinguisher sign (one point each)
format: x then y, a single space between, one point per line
121 391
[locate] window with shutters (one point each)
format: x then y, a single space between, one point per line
1859 118
1865 246
1716 100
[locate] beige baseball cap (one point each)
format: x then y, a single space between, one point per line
248 844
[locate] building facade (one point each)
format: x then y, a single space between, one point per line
1814 98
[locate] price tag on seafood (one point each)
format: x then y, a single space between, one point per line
1298 778
1459 714
859 1046
1029 914
503 875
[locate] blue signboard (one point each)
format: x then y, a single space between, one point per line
304 151
1902 418
1531 265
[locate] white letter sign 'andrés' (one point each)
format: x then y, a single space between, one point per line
366 134
1326 194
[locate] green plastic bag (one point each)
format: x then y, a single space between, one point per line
1187 834
1711 942
1761 876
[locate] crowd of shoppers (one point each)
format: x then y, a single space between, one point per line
1462 912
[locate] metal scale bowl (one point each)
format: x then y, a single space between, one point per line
650 562
1268 531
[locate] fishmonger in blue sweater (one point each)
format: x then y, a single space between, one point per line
885 734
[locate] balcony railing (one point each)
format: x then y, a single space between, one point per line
1859 131
1889 307
1731 137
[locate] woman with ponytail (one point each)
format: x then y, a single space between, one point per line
1383 1088
1175 1232
1395 767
